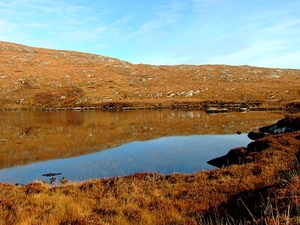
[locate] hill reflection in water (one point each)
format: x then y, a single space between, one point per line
164 155
73 143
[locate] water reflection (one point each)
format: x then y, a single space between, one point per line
164 155
33 143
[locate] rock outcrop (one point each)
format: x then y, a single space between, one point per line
263 139
289 124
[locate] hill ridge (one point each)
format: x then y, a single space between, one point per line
47 78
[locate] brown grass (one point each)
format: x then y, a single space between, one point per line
264 189
44 78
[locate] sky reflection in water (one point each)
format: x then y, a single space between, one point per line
73 142
163 155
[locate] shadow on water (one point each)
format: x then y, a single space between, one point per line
84 145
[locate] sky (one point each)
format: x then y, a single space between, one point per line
262 33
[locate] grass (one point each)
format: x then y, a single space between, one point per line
264 190
234 195
48 78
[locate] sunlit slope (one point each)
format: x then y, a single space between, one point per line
36 77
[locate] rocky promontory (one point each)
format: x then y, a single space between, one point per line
265 137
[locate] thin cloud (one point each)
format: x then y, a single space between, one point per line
272 45
35 25
157 26
283 60
160 32
260 53
7 28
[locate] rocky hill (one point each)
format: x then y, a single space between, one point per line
37 78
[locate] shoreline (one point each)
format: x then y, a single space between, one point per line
210 106
260 186
263 181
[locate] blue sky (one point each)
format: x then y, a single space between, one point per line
235 32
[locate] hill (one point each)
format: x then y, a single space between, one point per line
38 78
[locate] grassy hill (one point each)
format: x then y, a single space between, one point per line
263 188
44 78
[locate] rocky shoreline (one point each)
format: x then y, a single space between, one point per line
241 155
212 106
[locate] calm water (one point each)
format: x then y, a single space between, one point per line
85 145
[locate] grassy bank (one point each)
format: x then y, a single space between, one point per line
264 189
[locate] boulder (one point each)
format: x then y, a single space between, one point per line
234 156
290 123
242 155
254 135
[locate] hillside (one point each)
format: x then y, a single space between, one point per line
44 78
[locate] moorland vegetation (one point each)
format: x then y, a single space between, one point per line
262 187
